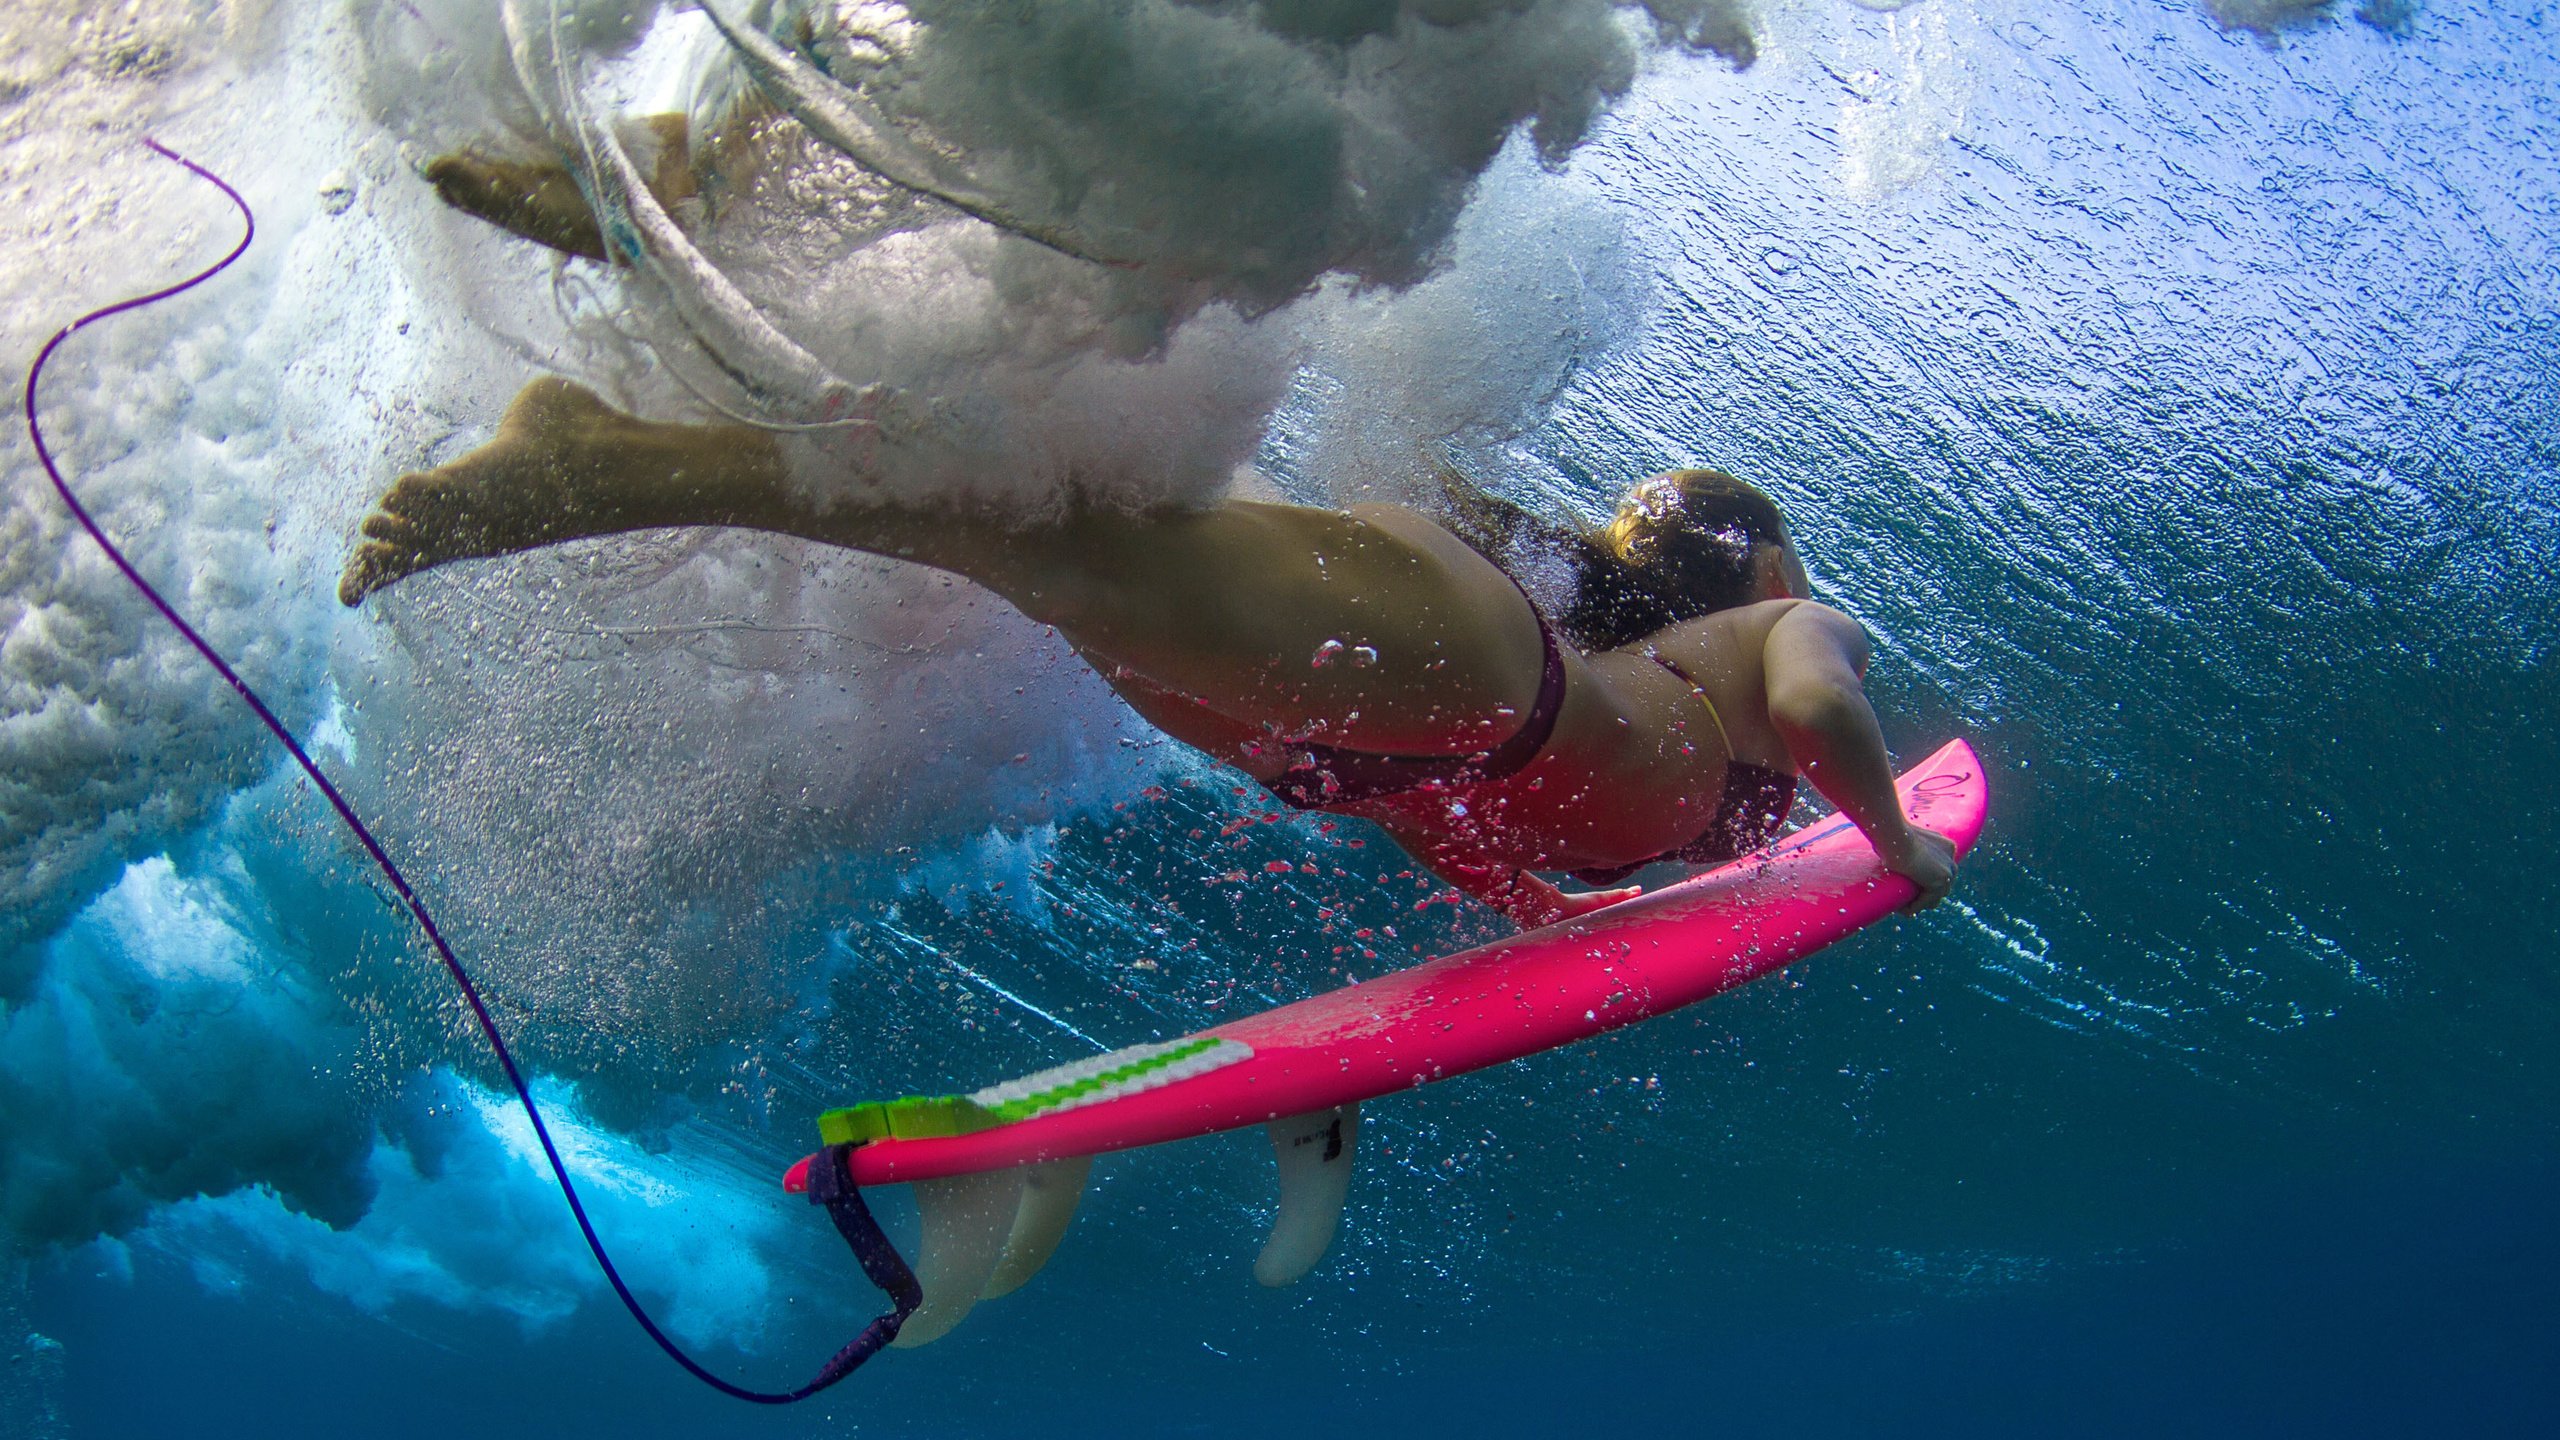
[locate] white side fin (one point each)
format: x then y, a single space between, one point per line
1049 1196
1314 1151
966 1220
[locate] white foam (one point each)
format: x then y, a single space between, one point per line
479 1228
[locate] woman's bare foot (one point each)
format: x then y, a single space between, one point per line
536 202
558 469
541 202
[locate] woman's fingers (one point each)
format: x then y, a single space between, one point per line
1587 901
1931 869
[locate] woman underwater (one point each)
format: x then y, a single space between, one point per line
1365 662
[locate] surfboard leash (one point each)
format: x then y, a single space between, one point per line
831 1183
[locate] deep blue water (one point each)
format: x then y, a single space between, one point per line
2394 1299
2179 408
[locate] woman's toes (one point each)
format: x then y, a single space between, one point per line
373 566
390 529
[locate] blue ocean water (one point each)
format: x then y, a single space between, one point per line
2175 401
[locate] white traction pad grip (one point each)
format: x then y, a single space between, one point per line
1314 1152
1050 1193
967 1220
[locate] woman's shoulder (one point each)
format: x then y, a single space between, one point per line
1741 626
1733 646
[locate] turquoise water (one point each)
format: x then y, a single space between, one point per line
2176 404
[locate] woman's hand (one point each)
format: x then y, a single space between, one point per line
1523 898
1926 859
1529 902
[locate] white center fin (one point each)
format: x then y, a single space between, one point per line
1314 1151
1049 1196
966 1221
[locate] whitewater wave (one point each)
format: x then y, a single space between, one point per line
656 743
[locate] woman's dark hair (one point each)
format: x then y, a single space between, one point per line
1682 545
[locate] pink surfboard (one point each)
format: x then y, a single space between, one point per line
1303 1068
1480 1007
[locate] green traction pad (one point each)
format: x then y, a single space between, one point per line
1063 1087
917 1117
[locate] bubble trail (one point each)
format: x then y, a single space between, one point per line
980 977
878 1259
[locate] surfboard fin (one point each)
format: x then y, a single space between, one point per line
984 1235
1314 1151
967 1220
1049 1196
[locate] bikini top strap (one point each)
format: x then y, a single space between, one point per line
1667 663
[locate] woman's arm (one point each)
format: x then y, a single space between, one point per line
1815 669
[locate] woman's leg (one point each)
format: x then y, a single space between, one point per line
1372 628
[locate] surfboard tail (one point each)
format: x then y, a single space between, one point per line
986 1234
